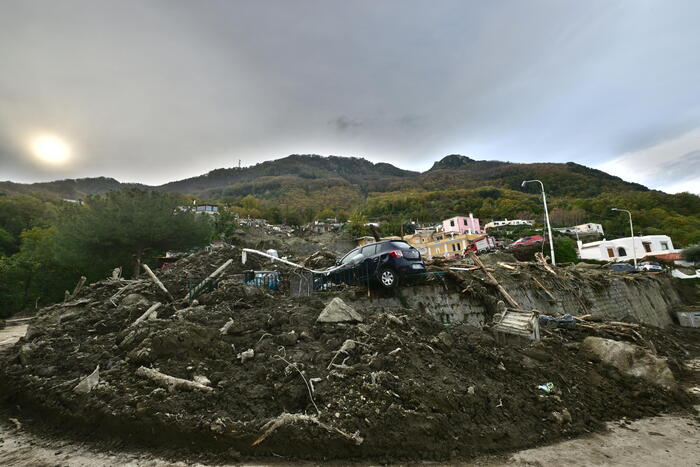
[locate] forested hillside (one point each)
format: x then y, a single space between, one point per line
301 188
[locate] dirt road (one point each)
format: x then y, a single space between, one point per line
669 440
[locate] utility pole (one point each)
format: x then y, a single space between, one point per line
634 248
546 216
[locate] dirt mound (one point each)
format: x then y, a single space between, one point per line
398 385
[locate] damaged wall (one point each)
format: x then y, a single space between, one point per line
447 306
646 299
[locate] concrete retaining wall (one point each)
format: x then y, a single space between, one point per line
645 299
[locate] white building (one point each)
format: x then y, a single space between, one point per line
492 224
582 229
621 249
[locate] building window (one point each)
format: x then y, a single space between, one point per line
647 246
621 251
664 245
452 223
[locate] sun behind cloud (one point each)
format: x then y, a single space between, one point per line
50 149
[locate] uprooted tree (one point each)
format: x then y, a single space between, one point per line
123 226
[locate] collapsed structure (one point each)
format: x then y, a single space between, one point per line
240 370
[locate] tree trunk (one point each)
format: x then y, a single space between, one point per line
137 265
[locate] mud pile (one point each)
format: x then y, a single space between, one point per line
274 381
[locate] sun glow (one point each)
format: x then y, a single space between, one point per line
51 149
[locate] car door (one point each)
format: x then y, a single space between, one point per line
370 264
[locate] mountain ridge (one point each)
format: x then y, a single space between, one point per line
451 171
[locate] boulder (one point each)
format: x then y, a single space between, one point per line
630 360
337 311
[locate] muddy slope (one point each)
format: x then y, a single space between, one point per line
407 387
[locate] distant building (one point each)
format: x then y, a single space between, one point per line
583 229
206 209
201 208
319 227
462 225
506 222
444 244
621 249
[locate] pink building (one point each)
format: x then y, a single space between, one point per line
462 225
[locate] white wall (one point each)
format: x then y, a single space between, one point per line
659 244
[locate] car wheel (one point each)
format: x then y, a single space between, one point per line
388 278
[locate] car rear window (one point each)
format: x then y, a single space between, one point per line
400 245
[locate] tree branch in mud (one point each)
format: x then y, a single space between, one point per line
195 292
289 419
77 289
308 386
151 310
170 382
157 281
500 288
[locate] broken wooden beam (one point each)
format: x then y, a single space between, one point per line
198 289
543 261
152 310
500 288
157 281
544 289
170 382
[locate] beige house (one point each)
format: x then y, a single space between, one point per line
444 244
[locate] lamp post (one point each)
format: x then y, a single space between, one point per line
634 249
546 216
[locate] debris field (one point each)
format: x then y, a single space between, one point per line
246 371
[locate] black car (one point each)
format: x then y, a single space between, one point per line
385 263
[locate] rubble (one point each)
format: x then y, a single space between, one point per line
249 371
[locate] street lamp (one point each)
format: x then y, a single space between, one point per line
634 249
546 216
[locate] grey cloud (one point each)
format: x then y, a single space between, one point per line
344 124
685 167
156 90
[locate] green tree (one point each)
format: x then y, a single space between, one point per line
33 274
692 254
356 225
7 242
122 226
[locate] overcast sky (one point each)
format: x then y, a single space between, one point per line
153 91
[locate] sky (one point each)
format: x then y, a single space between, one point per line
153 91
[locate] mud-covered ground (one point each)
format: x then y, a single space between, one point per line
403 387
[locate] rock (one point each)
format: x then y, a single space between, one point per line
337 311
566 415
630 360
132 299
287 338
202 380
556 417
88 383
538 352
247 355
25 353
446 339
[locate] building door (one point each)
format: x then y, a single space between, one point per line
611 253
647 246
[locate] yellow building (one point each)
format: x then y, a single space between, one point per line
444 244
